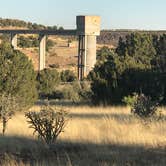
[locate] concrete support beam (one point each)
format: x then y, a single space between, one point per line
14 41
91 54
86 55
42 51
88 27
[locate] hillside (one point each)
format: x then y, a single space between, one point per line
111 37
60 56
9 23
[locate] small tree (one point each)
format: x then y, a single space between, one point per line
48 123
144 107
47 80
17 76
7 108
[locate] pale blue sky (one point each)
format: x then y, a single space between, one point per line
116 14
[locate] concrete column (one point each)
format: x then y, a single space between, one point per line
90 59
14 41
86 55
42 51
79 57
88 27
82 51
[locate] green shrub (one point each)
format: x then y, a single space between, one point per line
68 76
75 92
26 42
130 100
47 81
144 107
48 123
71 92
104 82
49 44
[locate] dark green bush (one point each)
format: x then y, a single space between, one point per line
137 65
68 76
104 82
47 81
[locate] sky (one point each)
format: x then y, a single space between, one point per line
115 14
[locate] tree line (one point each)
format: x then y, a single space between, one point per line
138 64
23 24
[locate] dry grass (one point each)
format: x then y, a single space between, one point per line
93 136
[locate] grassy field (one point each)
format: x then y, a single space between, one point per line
93 137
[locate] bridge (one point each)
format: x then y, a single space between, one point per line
88 27
43 32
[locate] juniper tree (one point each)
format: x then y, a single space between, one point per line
17 76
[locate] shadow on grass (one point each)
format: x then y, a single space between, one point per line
33 152
64 103
119 117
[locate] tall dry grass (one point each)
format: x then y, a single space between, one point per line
95 136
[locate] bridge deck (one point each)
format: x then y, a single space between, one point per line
40 32
69 32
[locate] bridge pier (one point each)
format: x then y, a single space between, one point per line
86 55
91 53
82 52
88 27
42 51
14 40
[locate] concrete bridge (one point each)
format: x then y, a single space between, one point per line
88 27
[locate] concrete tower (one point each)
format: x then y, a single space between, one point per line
88 27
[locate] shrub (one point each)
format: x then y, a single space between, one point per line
47 81
76 91
48 123
130 100
85 90
70 91
68 76
104 82
54 65
49 44
144 107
